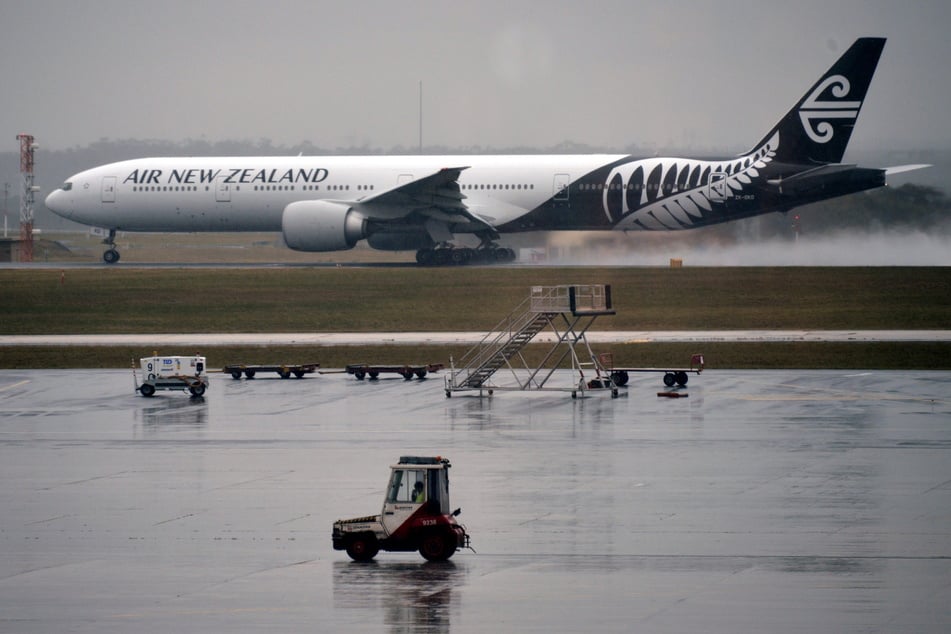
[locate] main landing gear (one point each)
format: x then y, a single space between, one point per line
110 255
451 255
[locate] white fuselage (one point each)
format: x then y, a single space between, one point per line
251 193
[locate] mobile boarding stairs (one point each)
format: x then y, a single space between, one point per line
567 312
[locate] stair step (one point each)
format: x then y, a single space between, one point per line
515 343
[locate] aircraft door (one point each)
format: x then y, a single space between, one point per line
560 187
718 187
222 190
108 189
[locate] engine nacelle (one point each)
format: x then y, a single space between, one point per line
319 225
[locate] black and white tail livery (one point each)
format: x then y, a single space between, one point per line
795 163
818 128
424 203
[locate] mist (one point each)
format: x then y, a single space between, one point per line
910 248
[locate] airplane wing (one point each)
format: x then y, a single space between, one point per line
433 197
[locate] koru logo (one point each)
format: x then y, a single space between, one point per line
815 114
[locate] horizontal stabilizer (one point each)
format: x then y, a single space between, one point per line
809 178
898 169
813 174
828 178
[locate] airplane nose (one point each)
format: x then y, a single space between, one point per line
56 202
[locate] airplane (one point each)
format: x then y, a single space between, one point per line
330 203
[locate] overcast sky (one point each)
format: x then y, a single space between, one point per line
496 74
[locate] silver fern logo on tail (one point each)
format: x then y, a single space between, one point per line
816 112
674 193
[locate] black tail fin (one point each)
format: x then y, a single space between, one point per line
818 128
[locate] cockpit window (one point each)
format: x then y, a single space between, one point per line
67 186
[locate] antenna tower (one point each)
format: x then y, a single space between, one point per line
26 196
6 194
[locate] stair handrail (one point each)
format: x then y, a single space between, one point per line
541 300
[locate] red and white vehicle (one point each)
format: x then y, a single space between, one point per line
415 515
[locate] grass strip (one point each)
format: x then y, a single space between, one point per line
398 299
355 299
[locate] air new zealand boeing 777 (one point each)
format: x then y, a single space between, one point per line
329 203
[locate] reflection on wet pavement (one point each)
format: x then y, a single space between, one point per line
766 501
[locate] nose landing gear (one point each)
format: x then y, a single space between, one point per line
110 255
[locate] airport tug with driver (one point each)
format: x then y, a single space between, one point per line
415 515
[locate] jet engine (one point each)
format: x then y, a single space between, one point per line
319 225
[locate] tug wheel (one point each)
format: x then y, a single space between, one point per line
147 389
197 390
436 546
362 547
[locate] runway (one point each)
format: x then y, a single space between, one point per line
448 338
777 501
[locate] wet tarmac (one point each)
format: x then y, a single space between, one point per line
203 340
793 501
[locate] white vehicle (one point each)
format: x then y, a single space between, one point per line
402 203
172 373
415 515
